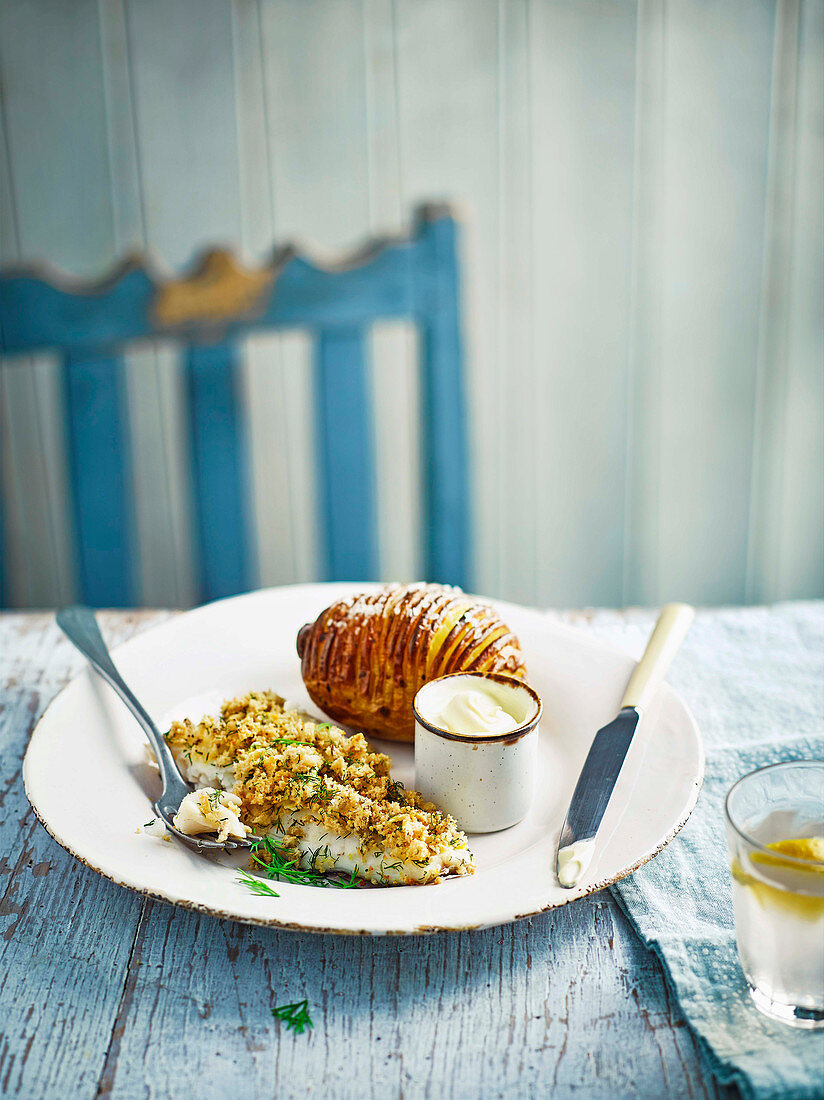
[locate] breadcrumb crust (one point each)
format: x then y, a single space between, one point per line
331 778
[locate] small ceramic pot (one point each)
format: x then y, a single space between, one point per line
485 783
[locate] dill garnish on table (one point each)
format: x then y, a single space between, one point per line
295 1016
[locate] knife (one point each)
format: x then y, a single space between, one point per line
603 764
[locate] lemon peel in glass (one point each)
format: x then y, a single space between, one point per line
808 848
804 875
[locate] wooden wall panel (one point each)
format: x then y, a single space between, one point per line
184 104
516 376
718 70
393 347
57 207
315 135
277 375
37 536
643 455
801 562
446 56
316 112
393 359
642 185
182 86
55 124
161 483
787 509
583 122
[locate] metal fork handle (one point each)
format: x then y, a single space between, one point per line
80 627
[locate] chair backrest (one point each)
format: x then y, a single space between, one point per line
208 311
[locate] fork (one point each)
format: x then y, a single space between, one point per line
80 627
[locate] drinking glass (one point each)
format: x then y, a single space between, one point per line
778 887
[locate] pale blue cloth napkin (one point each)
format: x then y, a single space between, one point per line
754 679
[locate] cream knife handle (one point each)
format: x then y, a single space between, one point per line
670 630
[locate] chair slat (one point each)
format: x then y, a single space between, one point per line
219 481
415 277
443 409
345 456
97 437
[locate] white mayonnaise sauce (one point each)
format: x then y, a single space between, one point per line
472 711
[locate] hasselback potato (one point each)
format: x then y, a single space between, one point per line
364 658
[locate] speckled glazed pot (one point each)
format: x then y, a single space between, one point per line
485 783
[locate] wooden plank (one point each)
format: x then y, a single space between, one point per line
518 487
67 933
387 211
56 129
315 106
345 457
120 999
181 54
98 444
56 581
394 383
38 314
277 385
129 228
801 560
767 488
257 228
446 57
11 556
219 482
38 560
712 230
3 558
393 347
39 566
161 480
297 358
277 368
9 504
569 1001
153 379
785 553
582 67
644 442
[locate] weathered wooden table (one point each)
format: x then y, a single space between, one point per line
103 992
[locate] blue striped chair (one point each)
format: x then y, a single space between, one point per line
208 311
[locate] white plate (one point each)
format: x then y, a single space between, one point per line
86 779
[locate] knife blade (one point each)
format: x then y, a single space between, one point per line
612 742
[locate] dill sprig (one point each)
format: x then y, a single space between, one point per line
396 792
289 741
257 885
295 1016
322 794
283 867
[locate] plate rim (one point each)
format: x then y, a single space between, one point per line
295 926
